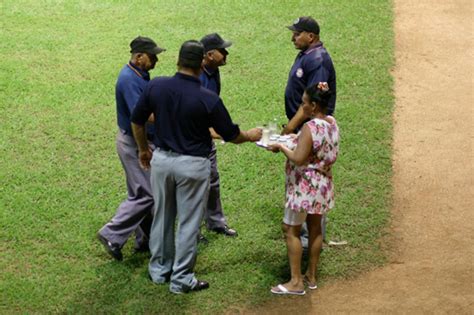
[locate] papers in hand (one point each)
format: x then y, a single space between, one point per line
285 139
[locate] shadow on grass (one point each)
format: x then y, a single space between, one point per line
240 271
124 287
118 287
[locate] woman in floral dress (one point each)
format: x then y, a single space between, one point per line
309 186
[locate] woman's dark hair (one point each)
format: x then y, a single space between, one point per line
319 95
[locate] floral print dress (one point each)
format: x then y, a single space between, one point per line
310 187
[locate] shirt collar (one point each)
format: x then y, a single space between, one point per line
144 74
313 47
210 72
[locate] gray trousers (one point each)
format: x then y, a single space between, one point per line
180 185
135 213
214 215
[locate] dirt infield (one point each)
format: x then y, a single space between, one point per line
431 270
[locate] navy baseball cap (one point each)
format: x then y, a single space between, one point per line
145 45
214 41
305 24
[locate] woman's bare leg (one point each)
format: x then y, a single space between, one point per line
295 252
315 243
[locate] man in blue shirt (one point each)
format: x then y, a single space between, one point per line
312 65
180 169
215 56
135 213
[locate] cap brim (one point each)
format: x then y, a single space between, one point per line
225 44
156 50
294 29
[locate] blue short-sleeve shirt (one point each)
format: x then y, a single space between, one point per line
211 79
311 66
130 84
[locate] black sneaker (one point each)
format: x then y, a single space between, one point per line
200 285
113 249
227 231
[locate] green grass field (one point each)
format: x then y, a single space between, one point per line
61 179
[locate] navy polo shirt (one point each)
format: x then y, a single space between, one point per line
311 66
184 112
211 79
130 84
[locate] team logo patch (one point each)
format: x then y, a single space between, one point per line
299 73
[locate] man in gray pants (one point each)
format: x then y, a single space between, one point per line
180 167
215 57
135 213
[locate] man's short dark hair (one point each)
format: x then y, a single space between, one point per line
191 54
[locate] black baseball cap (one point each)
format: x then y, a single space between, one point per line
214 41
191 54
305 24
145 45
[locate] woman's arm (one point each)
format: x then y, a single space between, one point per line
301 153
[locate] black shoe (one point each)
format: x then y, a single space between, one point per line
113 249
142 249
200 285
225 230
202 239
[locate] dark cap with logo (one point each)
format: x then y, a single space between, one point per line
145 45
305 24
214 41
191 54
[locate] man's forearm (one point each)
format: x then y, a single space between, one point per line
214 134
242 137
295 122
139 134
151 119
250 135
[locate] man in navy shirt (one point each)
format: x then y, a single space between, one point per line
312 65
215 56
135 213
180 169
